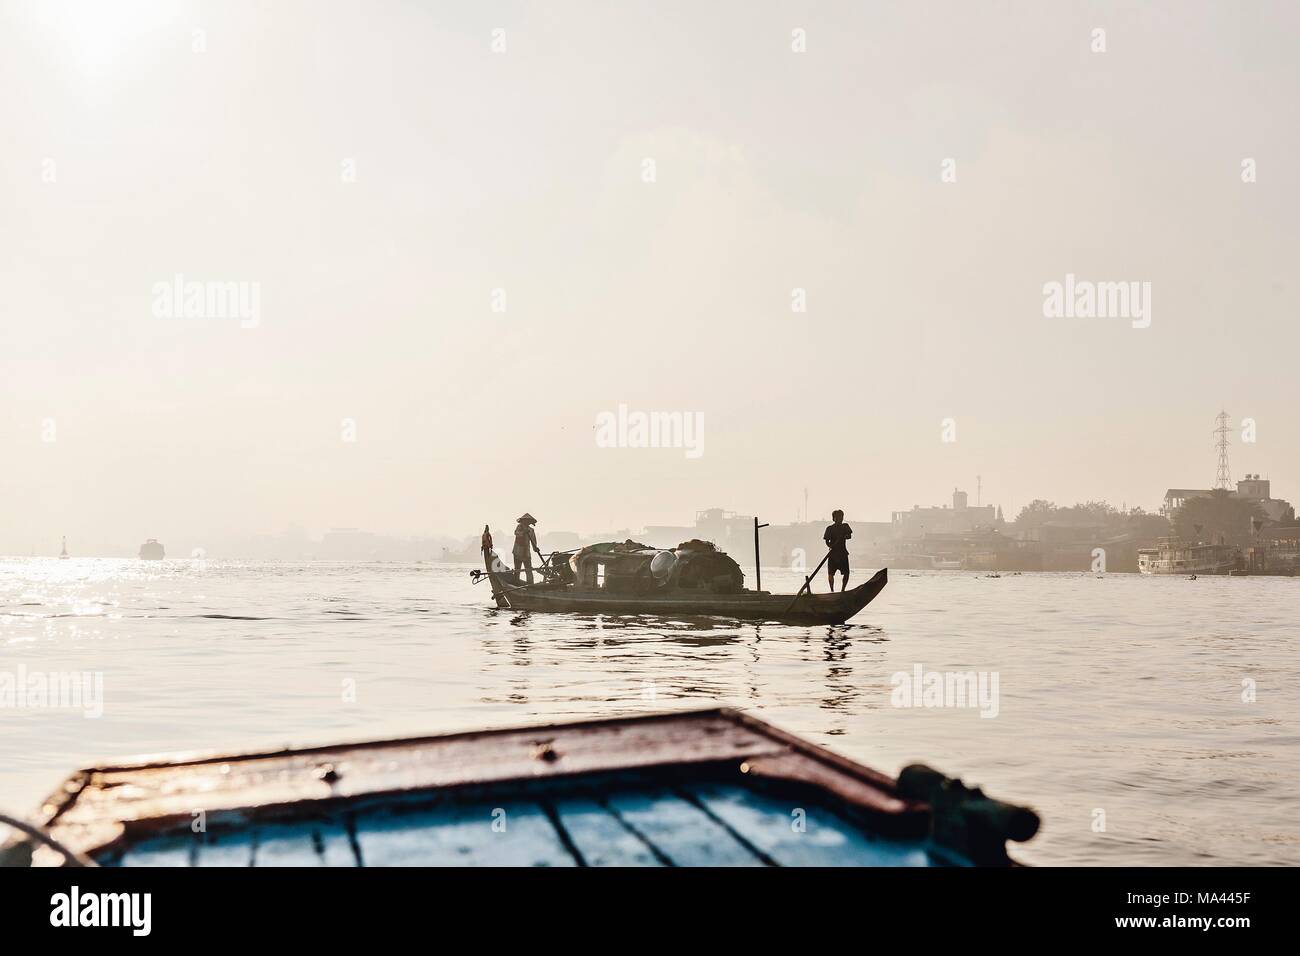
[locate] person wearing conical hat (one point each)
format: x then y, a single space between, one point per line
525 544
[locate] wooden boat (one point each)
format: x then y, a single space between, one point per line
713 788
694 579
1175 556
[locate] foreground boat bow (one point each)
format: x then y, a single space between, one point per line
711 788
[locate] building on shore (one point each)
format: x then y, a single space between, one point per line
909 536
1251 488
1083 544
983 549
959 518
1276 550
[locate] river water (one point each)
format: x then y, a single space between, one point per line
1149 720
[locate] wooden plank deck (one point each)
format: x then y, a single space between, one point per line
712 788
699 825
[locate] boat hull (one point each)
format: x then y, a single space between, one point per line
808 608
1176 557
708 788
1189 567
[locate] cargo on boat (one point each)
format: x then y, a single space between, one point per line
695 578
704 788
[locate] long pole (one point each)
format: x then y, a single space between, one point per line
758 566
807 581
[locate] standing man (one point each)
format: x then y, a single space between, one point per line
836 538
486 543
525 539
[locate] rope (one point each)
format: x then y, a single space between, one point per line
72 857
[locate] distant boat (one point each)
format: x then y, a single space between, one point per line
916 561
1174 556
63 555
151 550
694 578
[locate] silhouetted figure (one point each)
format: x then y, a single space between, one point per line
836 538
525 543
487 547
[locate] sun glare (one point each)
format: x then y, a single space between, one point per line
95 35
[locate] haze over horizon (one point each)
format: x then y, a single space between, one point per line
388 175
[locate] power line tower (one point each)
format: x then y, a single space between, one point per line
1224 477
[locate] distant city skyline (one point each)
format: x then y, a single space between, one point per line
297 540
437 538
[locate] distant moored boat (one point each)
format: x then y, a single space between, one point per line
151 550
1174 556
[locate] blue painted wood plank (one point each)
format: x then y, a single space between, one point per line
462 835
802 834
696 825
681 830
307 844
164 851
227 848
600 837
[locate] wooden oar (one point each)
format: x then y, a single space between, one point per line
807 581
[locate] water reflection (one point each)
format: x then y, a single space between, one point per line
836 643
648 661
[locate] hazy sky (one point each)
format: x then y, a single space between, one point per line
378 170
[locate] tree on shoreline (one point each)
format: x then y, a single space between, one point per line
1135 522
1220 513
1037 512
